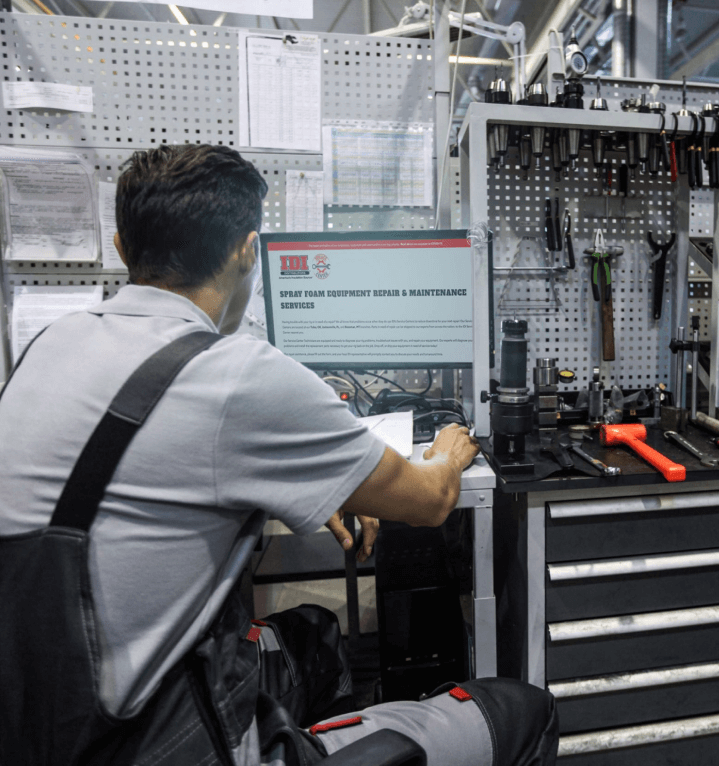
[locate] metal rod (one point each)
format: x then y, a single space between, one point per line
641 565
617 682
679 373
633 736
695 371
574 630
645 504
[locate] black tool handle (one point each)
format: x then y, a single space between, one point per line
557 227
570 251
699 169
659 268
666 160
549 225
691 167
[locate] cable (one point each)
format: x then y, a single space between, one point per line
429 382
441 412
451 113
387 380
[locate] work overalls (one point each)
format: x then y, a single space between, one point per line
50 711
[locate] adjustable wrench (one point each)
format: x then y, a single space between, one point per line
607 470
703 458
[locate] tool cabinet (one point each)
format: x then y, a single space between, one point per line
610 598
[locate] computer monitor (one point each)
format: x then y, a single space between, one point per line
370 300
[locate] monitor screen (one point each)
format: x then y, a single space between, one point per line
370 300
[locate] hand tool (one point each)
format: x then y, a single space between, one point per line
556 156
699 154
525 155
664 145
605 469
691 149
659 264
711 424
633 435
568 245
695 366
703 457
557 227
673 169
557 450
655 145
549 230
601 278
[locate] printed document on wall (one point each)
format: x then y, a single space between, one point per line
294 9
48 206
378 164
280 91
35 307
108 226
304 200
47 95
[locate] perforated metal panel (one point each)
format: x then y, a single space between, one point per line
557 302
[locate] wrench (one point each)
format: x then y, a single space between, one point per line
607 470
704 459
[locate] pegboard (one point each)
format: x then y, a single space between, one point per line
563 319
169 83
701 213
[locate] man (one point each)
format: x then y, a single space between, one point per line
241 427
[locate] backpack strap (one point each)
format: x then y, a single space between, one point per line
80 499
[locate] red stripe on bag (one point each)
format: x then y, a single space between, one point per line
259 622
318 728
254 634
460 694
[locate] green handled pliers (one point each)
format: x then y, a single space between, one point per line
600 260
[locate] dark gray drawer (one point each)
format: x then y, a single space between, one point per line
574 599
649 525
637 706
697 751
632 651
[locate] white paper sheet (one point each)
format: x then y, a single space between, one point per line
304 200
395 429
48 206
47 95
378 164
35 307
293 9
280 83
108 226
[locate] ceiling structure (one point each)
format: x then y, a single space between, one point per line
691 29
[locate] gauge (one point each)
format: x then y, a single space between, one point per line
566 376
578 63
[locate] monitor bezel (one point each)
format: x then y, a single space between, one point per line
349 236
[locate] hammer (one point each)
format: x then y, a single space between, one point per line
634 436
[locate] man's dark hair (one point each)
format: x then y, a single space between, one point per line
182 210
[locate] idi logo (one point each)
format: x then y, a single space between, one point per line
294 265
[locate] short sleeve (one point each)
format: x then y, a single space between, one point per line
288 445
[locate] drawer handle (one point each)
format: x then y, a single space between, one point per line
578 508
575 630
635 736
643 679
579 570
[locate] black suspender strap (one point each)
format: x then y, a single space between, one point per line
80 499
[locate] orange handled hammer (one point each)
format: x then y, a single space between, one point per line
634 435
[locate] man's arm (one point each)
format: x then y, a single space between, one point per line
417 494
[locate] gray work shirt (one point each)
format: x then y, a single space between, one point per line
242 427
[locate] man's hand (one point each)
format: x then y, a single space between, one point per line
369 526
454 445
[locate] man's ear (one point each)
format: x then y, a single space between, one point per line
250 253
118 247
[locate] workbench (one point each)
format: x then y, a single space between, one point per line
608 595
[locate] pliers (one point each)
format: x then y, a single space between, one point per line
600 260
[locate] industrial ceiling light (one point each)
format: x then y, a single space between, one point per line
177 13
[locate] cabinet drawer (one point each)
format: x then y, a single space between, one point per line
695 751
635 698
631 526
602 646
579 590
